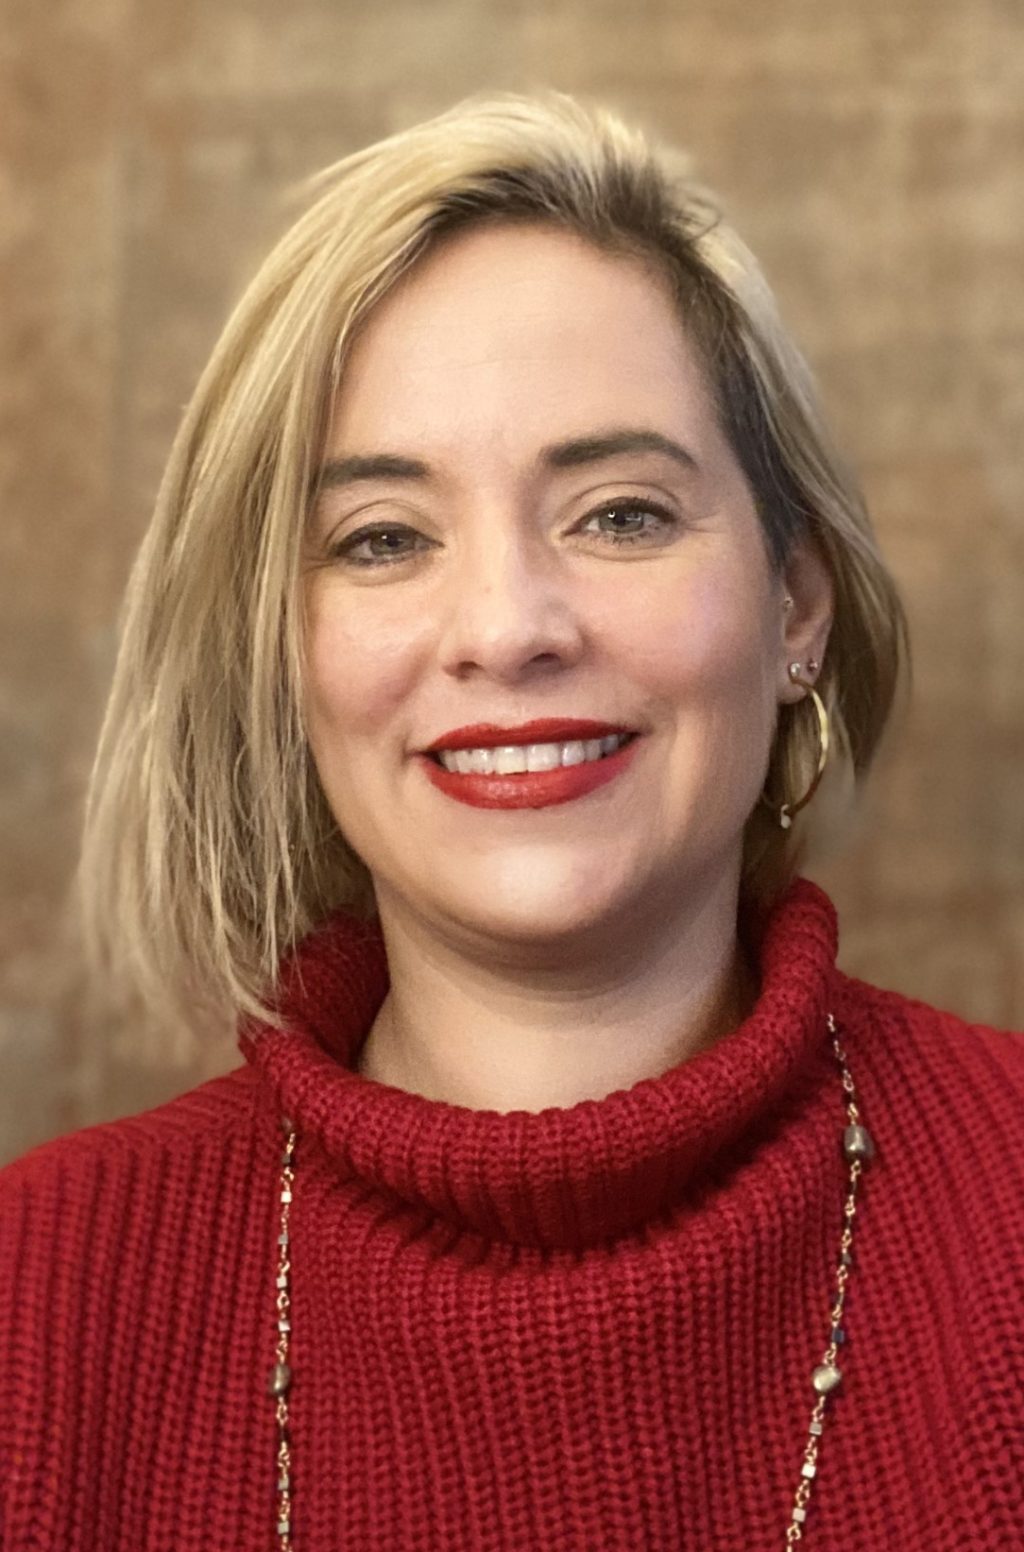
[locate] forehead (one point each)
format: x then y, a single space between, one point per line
519 331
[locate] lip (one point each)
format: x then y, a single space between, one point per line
543 730
529 789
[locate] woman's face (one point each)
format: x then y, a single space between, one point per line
518 541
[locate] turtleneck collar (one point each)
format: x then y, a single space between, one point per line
565 1176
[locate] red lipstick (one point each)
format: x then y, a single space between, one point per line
544 730
528 789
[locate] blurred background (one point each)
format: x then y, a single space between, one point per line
870 152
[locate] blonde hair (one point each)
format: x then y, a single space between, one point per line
209 849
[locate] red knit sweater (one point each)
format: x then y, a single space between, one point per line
589 1328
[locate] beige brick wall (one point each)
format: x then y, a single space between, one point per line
870 150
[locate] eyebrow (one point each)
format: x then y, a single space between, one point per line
570 454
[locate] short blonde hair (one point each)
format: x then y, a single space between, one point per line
209 849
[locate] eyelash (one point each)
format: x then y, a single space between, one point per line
343 550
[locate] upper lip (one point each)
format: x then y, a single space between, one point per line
550 730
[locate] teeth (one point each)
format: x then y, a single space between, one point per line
473 760
543 757
511 759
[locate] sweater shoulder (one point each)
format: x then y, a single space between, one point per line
963 1078
935 1029
177 1129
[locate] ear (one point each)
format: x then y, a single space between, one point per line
806 624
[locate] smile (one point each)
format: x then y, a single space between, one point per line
561 772
515 759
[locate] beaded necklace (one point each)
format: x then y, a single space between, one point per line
858 1149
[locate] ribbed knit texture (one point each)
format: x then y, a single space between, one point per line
590 1329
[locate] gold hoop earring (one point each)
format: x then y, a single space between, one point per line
786 811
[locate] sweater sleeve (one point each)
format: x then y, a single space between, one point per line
959 1087
66 1226
94 1229
48 1203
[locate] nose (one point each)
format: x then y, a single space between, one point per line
508 609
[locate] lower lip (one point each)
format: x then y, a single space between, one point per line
529 789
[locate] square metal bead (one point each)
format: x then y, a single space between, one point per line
817 1428
284 1528
282 1281
800 1515
808 1469
286 1196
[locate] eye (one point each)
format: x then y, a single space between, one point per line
385 544
393 539
633 530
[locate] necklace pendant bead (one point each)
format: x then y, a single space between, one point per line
825 1378
280 1379
858 1143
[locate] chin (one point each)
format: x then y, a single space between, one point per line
522 910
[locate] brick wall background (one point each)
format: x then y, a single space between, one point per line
871 153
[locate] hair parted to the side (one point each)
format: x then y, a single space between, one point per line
208 847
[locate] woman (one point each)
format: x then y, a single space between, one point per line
504 605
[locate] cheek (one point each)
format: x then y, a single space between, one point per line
357 678
704 642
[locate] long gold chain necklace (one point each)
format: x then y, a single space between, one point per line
858 1149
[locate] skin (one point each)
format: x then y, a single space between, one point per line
539 957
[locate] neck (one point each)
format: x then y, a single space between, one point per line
467 1029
